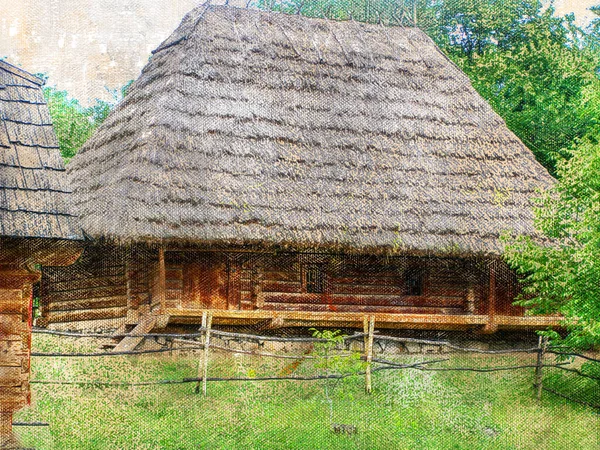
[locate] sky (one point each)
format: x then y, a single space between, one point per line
88 47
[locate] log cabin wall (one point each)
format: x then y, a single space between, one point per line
16 286
311 282
91 292
121 284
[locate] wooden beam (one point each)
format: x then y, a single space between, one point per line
162 280
369 330
492 326
145 325
355 320
234 281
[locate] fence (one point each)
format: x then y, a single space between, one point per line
203 341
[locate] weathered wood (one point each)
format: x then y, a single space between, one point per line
234 281
88 314
205 284
470 302
364 300
491 326
203 363
145 325
16 290
317 307
369 330
88 304
161 282
83 294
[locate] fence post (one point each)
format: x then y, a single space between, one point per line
539 384
369 329
205 341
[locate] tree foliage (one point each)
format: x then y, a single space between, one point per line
73 123
538 71
563 274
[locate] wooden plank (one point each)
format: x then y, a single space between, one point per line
80 271
85 315
362 308
306 318
173 294
364 300
174 284
281 286
10 376
85 283
87 304
282 276
145 325
366 289
234 284
161 286
91 293
491 326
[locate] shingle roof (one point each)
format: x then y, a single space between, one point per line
34 194
251 127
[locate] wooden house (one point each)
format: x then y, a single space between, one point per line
292 171
37 225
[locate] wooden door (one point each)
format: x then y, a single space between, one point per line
204 283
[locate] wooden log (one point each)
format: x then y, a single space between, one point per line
320 307
162 283
91 314
491 326
82 294
84 283
365 300
88 304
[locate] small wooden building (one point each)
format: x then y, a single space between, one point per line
37 225
297 171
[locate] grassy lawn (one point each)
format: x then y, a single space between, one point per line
408 409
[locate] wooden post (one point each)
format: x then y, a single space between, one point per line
471 299
491 326
203 363
16 289
203 342
162 280
369 329
539 382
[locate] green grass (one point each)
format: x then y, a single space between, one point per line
408 409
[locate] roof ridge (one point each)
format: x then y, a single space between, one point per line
20 72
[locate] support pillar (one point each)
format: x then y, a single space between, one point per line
16 289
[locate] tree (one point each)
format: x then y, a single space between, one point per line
562 274
73 123
538 71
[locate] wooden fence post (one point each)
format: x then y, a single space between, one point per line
539 384
369 329
203 362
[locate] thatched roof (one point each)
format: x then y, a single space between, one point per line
34 196
255 127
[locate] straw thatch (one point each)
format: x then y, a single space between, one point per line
34 196
250 127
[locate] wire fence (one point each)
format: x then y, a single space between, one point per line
200 341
